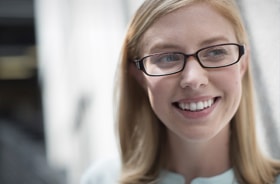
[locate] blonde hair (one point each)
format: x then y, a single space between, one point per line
142 135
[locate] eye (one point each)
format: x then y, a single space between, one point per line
168 58
214 54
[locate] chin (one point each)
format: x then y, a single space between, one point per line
202 135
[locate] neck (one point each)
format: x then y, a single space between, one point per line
199 159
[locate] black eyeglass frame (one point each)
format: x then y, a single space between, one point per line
140 65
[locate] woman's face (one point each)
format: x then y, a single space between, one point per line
188 30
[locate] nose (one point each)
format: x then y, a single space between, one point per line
193 76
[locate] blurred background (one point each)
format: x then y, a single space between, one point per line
57 66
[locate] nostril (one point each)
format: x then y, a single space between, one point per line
194 82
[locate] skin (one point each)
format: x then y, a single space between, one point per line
198 142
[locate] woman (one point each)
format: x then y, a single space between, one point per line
185 99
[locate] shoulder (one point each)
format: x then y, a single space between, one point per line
277 179
105 171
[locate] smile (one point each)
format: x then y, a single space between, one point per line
195 106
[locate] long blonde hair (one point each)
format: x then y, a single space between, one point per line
142 136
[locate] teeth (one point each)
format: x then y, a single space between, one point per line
193 106
206 104
198 106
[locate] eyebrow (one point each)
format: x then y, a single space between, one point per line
161 44
213 40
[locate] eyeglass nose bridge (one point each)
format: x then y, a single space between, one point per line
188 56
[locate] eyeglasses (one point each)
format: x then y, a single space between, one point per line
216 56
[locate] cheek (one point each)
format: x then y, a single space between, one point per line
231 79
231 84
228 82
155 89
159 91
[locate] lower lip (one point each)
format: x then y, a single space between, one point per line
199 114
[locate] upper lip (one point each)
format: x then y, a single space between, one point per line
195 99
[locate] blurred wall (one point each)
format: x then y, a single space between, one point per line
78 47
262 20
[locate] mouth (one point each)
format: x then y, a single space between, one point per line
196 106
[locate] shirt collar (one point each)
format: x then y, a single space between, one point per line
167 177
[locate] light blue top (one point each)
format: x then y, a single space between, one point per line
168 177
107 172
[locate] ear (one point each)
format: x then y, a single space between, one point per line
137 74
245 61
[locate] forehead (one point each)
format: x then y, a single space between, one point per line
189 27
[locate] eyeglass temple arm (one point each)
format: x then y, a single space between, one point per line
138 64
